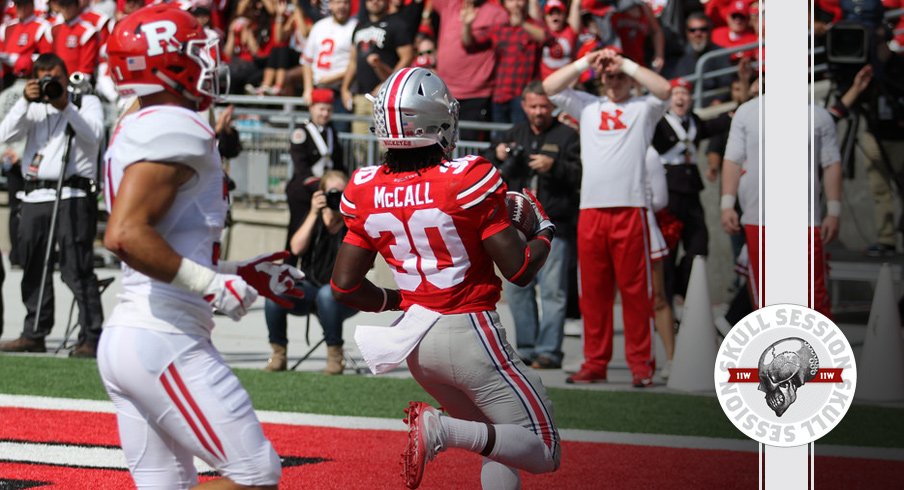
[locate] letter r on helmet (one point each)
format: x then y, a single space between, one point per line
160 34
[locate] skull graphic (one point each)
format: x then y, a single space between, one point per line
784 367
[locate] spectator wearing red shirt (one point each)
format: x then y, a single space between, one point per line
517 44
633 26
248 45
24 36
75 39
738 31
717 11
564 32
466 68
282 57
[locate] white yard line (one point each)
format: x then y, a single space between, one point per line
374 423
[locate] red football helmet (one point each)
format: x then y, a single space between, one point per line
160 47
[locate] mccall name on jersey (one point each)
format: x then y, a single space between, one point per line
430 226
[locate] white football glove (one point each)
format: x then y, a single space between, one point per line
230 295
270 279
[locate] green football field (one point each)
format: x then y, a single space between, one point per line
631 412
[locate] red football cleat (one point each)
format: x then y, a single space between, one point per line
424 441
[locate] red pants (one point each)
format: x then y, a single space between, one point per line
817 289
613 250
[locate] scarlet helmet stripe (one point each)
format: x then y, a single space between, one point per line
393 115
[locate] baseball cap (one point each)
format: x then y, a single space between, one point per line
552 5
682 83
321 96
737 7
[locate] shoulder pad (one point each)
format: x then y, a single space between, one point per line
477 179
161 135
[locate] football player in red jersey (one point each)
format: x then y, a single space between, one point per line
442 225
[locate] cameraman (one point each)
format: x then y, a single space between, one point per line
316 242
54 126
543 155
877 113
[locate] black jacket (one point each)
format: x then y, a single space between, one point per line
686 178
304 152
558 189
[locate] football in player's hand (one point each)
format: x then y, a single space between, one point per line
522 215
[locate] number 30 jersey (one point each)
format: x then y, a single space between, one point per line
429 226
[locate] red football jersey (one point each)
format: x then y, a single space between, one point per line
429 226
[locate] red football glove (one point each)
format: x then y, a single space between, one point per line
544 223
271 280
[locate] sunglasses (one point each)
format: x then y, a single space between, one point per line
738 17
425 53
697 29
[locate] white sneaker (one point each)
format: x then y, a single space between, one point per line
666 370
424 441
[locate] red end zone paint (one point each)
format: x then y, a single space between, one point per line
368 459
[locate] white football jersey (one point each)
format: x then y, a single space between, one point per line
614 142
193 224
329 48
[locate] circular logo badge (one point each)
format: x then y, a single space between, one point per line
298 136
785 375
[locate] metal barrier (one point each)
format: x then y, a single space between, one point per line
264 167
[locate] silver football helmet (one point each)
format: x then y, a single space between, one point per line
414 109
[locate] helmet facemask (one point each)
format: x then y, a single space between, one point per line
214 79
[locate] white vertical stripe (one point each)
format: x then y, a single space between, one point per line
785 166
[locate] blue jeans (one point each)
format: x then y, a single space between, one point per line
544 335
319 300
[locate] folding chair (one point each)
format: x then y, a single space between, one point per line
102 285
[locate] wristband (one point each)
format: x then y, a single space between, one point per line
385 298
581 65
833 208
629 67
192 276
728 201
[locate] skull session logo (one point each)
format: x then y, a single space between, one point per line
785 375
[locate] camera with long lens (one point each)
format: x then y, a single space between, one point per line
50 88
333 198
